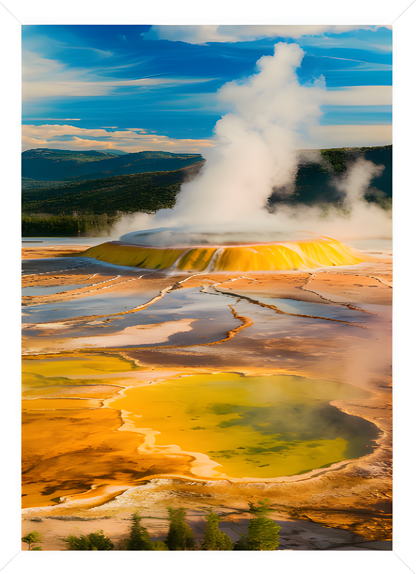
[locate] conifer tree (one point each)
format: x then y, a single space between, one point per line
180 536
93 541
214 539
263 532
32 538
139 537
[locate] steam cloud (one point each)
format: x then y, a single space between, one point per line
256 153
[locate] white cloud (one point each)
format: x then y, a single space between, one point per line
46 78
348 136
204 33
360 96
135 140
75 138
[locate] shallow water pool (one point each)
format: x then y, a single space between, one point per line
259 427
50 289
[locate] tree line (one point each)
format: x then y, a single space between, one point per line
68 225
147 192
263 534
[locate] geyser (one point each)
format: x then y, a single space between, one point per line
221 221
255 153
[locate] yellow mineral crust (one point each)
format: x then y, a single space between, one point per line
263 257
132 256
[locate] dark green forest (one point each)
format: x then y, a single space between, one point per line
38 225
94 206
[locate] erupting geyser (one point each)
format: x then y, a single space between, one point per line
253 156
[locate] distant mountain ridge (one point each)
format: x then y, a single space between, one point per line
57 165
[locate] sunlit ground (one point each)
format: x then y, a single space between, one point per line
131 376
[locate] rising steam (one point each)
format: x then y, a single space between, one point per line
255 154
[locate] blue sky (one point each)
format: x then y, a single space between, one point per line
154 87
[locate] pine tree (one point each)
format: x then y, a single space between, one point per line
180 536
214 539
139 537
32 538
93 541
263 532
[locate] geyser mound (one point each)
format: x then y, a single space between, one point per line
176 250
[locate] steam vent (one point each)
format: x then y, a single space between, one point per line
282 256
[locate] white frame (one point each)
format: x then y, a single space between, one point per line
402 15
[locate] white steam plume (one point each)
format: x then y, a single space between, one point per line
357 180
256 152
256 144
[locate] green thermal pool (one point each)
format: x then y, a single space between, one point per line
260 427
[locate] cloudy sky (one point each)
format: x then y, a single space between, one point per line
136 88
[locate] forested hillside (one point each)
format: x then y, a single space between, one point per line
76 206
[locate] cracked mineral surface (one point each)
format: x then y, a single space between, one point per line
144 389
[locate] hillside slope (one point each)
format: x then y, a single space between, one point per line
318 174
147 192
57 165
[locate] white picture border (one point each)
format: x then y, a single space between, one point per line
402 15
